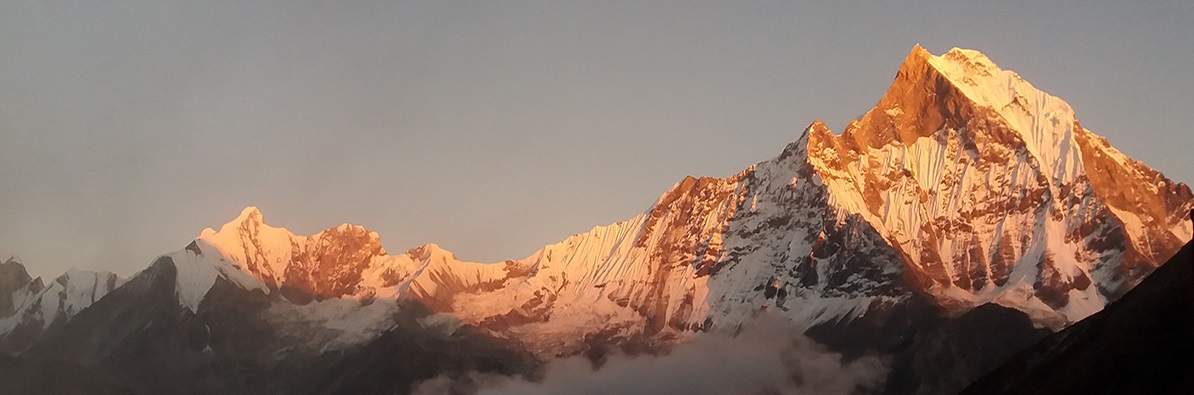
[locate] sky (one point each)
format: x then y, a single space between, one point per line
490 128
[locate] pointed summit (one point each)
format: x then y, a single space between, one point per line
250 213
917 52
818 126
968 55
249 220
915 105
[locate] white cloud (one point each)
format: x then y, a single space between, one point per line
767 356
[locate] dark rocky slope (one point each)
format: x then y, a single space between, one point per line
1143 343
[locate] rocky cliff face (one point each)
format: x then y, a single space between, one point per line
12 277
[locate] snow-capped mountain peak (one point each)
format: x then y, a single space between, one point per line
975 176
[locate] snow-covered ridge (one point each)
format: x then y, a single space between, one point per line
345 261
37 307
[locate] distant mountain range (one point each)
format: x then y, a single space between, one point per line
965 217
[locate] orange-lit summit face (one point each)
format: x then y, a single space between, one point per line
328 264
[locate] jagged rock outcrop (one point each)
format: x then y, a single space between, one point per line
12 277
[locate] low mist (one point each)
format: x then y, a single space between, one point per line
768 355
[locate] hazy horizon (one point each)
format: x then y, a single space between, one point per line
489 129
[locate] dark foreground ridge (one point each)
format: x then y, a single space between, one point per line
1143 343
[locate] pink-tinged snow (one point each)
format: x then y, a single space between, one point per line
732 293
580 279
1045 122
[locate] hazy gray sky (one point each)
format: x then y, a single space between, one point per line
491 128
